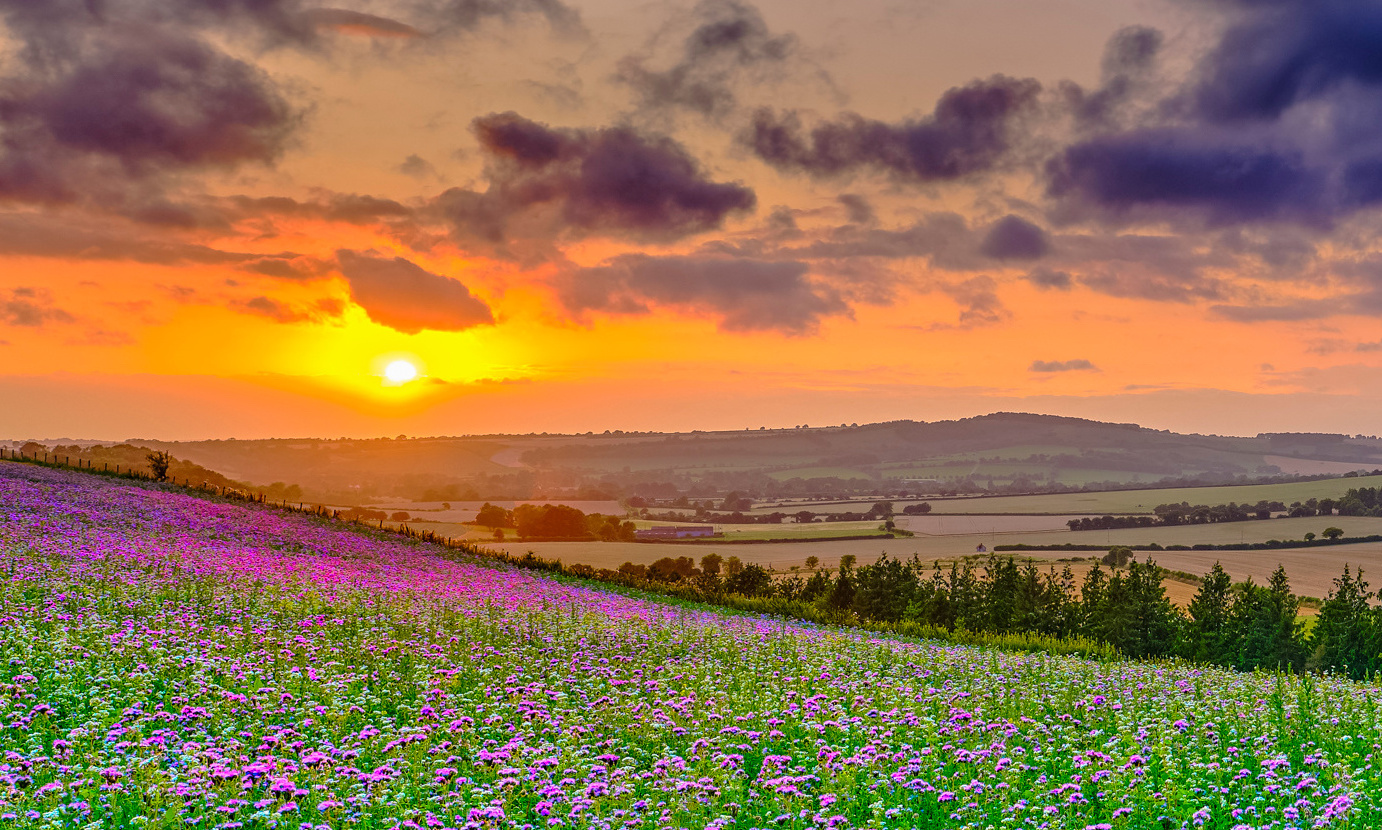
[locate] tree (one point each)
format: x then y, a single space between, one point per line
881 510
159 461
813 562
1207 634
493 516
1117 556
884 590
752 581
732 566
842 592
1343 636
1264 624
668 569
1332 533
499 534
550 520
710 563
1309 537
399 516
736 501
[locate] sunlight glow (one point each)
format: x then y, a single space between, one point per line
400 371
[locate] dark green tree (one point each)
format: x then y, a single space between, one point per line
1343 639
884 589
1264 624
1207 637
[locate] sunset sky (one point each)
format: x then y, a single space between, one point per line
227 217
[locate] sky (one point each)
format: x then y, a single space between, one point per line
226 218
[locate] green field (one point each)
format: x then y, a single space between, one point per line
1142 501
818 472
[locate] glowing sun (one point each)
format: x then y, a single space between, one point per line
400 371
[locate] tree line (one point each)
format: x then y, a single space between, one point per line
553 521
1242 626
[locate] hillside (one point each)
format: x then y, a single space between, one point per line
1004 451
184 662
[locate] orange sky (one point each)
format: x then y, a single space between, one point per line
571 217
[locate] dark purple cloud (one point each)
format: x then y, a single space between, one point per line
1013 237
612 181
403 296
108 114
164 102
970 131
1277 123
1228 180
1282 54
742 294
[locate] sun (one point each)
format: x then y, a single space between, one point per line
400 371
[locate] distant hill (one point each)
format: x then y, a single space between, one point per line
1003 452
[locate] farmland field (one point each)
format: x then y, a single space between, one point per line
783 555
175 662
1142 501
1312 570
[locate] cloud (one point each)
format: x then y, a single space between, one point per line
1229 180
345 21
729 41
979 301
59 236
418 167
1078 365
1129 60
1302 310
1013 237
128 108
1276 123
31 308
614 181
857 209
274 310
1050 279
452 16
742 294
397 293
969 132
165 101
1160 286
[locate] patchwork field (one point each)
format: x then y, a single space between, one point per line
175 662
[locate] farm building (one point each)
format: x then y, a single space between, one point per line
675 532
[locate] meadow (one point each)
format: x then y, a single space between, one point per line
172 661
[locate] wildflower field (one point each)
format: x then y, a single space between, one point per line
171 661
